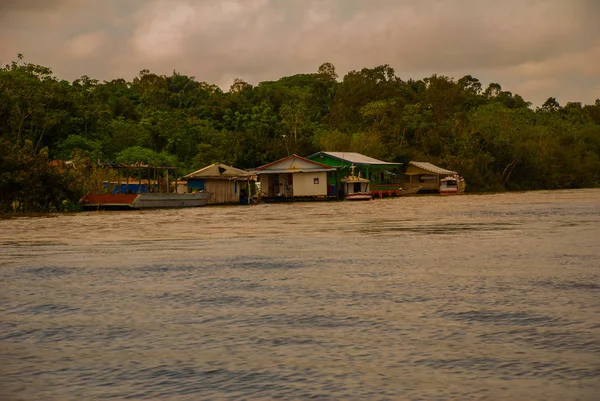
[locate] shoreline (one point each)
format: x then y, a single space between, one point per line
15 215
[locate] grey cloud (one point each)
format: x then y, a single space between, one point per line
532 47
12 6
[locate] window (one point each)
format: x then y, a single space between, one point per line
316 180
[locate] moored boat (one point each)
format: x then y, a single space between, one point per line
408 191
137 193
452 185
144 200
356 188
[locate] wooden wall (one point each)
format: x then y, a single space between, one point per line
223 191
413 181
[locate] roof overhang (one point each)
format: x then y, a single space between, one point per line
372 162
294 156
429 168
217 171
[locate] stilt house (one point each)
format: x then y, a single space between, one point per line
294 178
384 176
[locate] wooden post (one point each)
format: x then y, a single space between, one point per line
167 174
119 180
337 184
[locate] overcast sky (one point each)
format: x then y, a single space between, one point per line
537 48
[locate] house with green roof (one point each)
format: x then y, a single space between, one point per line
384 176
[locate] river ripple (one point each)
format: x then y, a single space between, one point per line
416 298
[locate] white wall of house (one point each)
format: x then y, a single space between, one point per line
304 184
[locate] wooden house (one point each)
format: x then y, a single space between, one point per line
425 175
294 178
228 185
384 176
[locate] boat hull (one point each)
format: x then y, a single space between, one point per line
452 186
451 191
108 201
409 191
144 201
158 200
358 197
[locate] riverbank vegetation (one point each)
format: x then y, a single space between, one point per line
495 138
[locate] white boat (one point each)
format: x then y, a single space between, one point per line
452 185
409 191
356 188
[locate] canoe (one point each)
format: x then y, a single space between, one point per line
409 191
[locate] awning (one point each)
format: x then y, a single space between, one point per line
430 168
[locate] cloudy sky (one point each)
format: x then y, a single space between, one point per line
537 48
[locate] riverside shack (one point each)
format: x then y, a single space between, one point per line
228 185
425 175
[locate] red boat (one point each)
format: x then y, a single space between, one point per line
452 185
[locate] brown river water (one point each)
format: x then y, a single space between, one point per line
419 298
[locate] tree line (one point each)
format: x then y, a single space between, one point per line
494 138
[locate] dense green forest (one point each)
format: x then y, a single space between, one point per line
496 139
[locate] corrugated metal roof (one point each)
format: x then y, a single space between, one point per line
291 158
218 170
431 168
356 158
292 171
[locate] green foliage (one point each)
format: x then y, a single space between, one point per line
138 154
87 147
492 136
28 183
